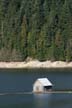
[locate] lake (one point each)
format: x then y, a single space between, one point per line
16 88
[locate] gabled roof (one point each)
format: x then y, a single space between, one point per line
45 81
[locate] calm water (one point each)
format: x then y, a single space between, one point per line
14 83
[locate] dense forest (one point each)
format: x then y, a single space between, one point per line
40 29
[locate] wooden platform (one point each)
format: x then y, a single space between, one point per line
49 92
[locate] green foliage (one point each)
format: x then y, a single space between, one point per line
23 38
40 29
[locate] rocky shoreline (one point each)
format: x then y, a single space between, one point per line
36 64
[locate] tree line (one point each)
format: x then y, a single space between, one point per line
40 29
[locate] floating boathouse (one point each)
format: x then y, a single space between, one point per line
42 85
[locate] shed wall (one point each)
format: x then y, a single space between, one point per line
38 87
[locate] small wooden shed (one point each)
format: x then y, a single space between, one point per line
42 85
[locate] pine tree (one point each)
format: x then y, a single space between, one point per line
23 38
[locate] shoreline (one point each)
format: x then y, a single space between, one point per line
35 64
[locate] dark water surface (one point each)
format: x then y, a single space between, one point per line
15 83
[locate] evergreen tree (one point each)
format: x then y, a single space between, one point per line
40 29
23 38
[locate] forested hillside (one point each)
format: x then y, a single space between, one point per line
40 29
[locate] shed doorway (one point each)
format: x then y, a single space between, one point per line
47 88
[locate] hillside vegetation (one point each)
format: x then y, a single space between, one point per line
40 29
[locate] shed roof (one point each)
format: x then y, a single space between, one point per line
45 81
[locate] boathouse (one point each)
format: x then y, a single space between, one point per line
42 85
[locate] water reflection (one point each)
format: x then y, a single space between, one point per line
42 100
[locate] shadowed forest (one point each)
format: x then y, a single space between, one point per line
40 29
